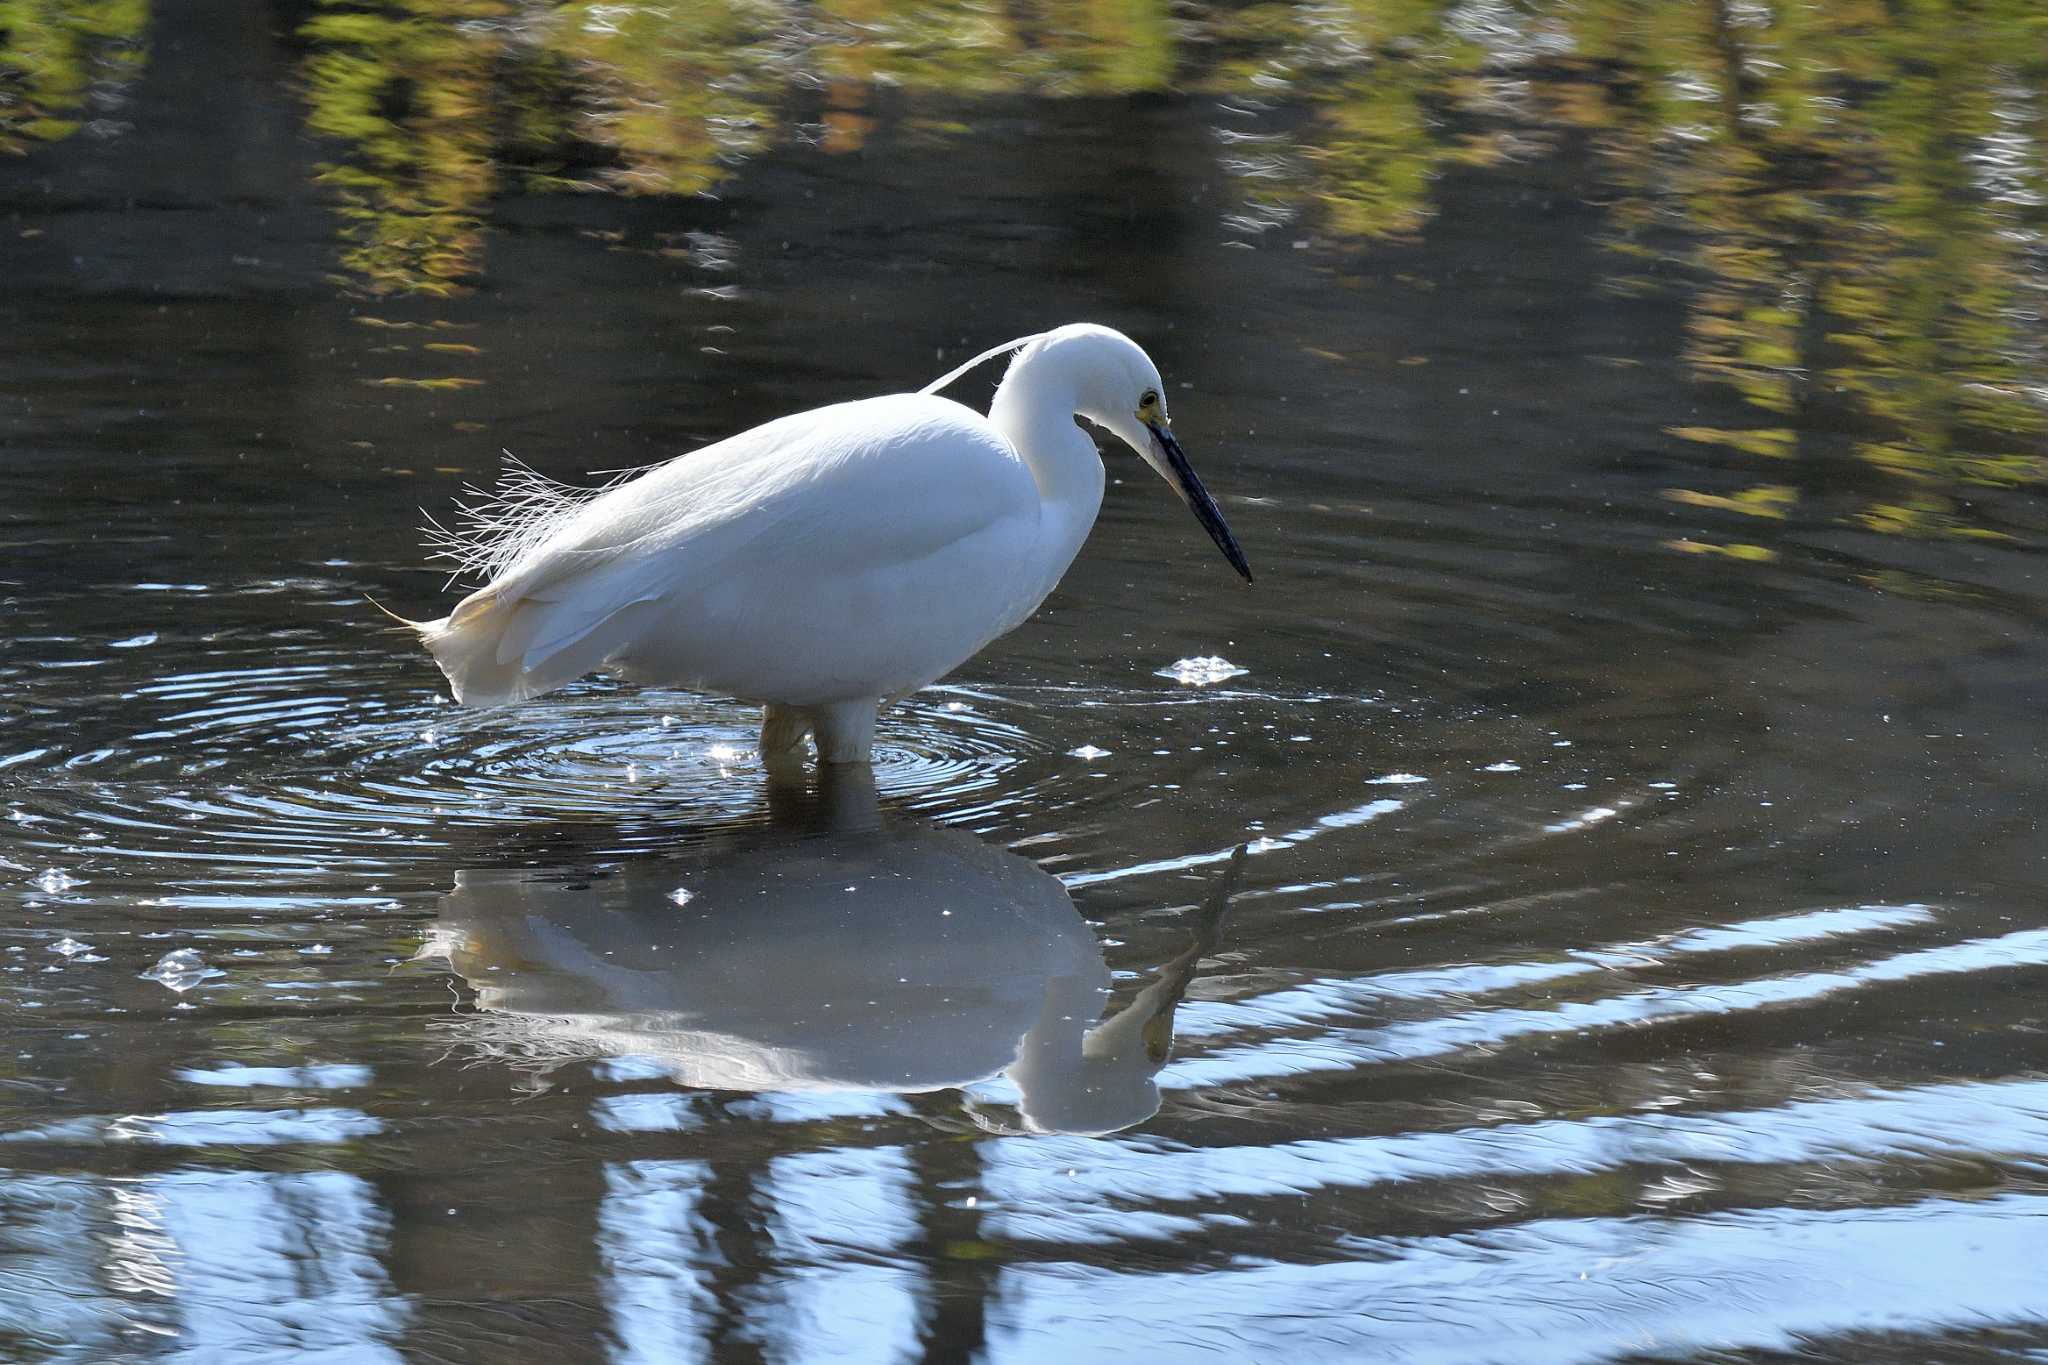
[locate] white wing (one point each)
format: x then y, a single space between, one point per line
847 489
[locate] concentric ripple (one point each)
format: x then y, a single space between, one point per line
300 764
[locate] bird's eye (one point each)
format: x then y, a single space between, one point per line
1150 399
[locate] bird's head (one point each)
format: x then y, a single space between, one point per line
1117 387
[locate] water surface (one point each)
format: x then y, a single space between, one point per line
1637 416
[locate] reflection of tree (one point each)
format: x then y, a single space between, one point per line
58 59
1381 80
961 47
437 102
411 89
1859 186
674 91
1108 47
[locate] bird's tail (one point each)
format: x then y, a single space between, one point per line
487 647
465 645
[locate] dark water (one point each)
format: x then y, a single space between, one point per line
1637 414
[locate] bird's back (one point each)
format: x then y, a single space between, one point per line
712 569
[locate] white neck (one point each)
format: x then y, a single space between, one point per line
1034 410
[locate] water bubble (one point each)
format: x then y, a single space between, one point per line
1201 670
316 950
181 969
1502 767
1088 751
682 895
1396 780
70 947
56 881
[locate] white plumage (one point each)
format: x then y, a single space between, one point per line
818 564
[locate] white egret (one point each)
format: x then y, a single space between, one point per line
820 564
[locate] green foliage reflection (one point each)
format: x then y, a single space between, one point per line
55 55
1850 193
438 104
1859 187
412 90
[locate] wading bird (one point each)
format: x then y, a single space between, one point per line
821 564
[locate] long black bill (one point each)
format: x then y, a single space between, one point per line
1189 485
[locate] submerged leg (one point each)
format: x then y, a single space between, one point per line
846 731
782 732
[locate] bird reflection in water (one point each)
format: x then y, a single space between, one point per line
840 949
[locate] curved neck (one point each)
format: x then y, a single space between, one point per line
1035 408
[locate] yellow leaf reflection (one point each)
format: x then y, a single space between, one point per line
1772 441
1774 501
1900 583
432 385
1755 554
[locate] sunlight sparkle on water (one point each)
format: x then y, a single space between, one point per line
181 969
1583 820
1201 670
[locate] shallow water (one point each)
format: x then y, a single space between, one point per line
1635 415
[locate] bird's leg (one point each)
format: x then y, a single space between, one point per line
782 733
846 731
